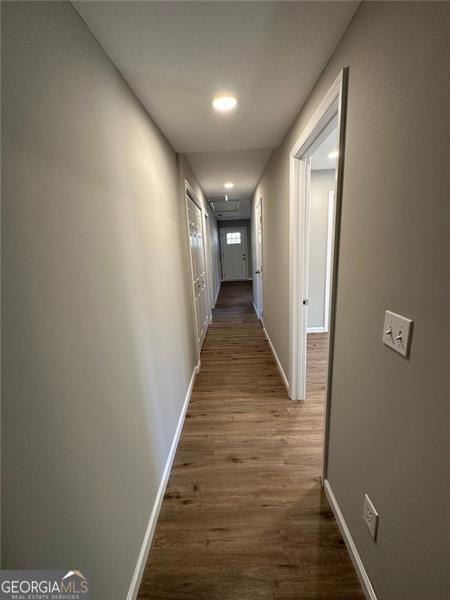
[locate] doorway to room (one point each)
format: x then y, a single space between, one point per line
322 186
317 161
258 283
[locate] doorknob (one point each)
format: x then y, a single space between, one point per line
257 272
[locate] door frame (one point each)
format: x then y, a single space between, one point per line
240 228
259 306
189 193
333 106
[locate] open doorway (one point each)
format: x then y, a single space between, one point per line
258 282
315 207
320 235
322 192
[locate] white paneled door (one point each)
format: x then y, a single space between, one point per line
259 259
199 278
233 242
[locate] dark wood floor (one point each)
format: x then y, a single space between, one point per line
244 515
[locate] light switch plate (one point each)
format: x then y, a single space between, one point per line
397 332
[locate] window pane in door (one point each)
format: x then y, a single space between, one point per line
234 237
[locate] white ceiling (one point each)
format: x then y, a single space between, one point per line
242 167
177 55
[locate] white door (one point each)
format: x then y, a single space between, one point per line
233 243
199 280
258 260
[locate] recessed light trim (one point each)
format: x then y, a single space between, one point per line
333 154
224 103
228 185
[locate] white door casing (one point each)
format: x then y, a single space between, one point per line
233 245
198 264
259 259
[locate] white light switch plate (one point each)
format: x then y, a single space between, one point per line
397 332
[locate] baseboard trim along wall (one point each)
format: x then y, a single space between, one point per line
316 330
145 549
256 311
277 360
351 547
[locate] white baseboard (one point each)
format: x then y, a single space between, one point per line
256 311
142 559
277 360
316 330
351 547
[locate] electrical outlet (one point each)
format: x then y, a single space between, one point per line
370 517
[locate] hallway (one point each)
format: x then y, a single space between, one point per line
156 156
244 515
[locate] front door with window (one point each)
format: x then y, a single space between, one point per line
233 243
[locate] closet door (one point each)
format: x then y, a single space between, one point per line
199 283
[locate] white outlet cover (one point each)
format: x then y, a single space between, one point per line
370 517
397 332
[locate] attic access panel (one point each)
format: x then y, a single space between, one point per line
225 206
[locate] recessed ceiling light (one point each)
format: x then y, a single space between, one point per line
228 185
333 154
224 103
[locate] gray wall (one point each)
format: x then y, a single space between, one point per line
389 416
248 224
321 183
98 346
